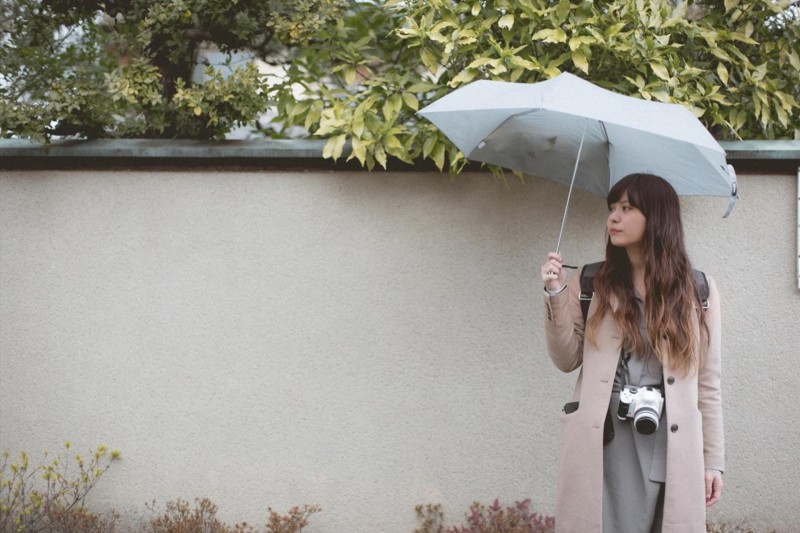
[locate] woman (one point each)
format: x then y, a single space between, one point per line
645 327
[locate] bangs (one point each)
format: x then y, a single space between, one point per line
632 185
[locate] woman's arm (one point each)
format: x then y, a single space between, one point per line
563 326
709 398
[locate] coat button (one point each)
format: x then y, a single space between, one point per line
670 380
674 428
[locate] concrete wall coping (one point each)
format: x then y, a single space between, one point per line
749 156
149 148
260 148
761 149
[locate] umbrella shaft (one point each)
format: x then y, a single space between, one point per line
571 184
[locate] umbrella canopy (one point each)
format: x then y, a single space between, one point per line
539 128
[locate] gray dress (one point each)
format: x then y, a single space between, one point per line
634 465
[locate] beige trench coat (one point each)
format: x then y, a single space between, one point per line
694 415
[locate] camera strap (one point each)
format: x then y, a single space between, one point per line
622 367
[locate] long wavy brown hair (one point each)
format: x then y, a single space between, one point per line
675 324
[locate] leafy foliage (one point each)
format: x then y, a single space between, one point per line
432 516
292 522
51 496
494 518
498 519
518 518
360 73
735 64
196 111
179 517
51 69
124 67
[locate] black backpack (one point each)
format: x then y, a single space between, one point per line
590 271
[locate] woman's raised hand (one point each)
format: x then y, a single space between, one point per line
554 275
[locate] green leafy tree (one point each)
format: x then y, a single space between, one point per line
124 67
51 71
735 64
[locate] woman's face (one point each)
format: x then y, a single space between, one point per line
625 223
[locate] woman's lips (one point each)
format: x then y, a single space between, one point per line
614 231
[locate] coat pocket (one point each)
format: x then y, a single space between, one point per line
570 407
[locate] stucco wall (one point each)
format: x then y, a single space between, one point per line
362 341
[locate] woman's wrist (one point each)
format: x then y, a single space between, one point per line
558 291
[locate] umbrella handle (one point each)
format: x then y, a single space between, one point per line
571 184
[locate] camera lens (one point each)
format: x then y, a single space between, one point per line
646 420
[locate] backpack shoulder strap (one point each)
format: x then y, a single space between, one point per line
590 271
702 286
587 286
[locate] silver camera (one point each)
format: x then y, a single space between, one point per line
643 405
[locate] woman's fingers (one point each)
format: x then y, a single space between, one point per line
713 487
553 274
555 259
551 267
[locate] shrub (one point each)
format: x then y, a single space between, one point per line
178 517
728 527
498 519
80 520
294 522
50 496
431 516
518 519
492 519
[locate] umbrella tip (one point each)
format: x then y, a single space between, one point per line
734 190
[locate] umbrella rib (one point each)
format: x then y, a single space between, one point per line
605 133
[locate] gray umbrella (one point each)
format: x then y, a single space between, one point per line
569 130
